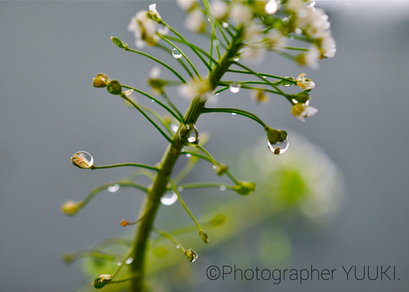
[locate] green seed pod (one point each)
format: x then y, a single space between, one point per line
119 43
204 236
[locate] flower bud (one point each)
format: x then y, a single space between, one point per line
101 281
119 43
191 255
153 13
124 223
245 188
275 136
100 81
114 87
82 159
70 208
204 236
302 97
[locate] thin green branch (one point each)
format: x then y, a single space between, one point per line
175 189
193 48
262 74
180 61
158 61
206 185
147 117
157 116
167 99
222 32
125 164
184 55
168 236
154 99
235 111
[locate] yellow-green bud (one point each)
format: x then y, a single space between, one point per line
100 81
204 236
191 255
119 43
245 188
71 208
114 87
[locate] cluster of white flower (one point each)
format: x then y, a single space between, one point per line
144 25
314 24
196 20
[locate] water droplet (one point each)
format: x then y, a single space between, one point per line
218 93
176 54
188 155
294 101
129 261
233 114
114 188
191 255
152 100
222 188
169 198
214 166
216 43
237 58
265 77
285 82
189 134
225 24
82 159
298 31
174 127
271 7
278 148
208 19
180 188
119 263
178 246
234 87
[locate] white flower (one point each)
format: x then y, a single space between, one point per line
144 29
309 58
294 5
186 5
327 46
275 39
313 21
254 53
196 88
241 13
302 111
196 21
304 83
220 10
271 7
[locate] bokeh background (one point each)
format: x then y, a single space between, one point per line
51 50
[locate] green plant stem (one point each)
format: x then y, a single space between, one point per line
169 159
157 116
263 74
165 97
180 61
205 185
170 237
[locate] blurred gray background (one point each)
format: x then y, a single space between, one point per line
51 50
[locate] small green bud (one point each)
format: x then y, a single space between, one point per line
221 169
157 85
218 220
100 81
245 188
153 13
275 136
67 258
204 236
191 255
302 97
119 43
114 87
101 281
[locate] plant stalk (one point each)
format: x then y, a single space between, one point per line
152 202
